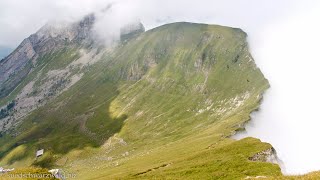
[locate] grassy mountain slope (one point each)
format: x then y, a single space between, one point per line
161 105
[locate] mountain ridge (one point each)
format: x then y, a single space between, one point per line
162 104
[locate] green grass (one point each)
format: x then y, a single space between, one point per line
174 94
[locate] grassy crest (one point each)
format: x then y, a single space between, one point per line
160 106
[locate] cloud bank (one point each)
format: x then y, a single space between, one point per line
289 118
284 37
20 18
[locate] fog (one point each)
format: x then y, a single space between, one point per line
283 36
20 18
289 117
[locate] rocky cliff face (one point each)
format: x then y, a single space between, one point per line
268 155
17 60
16 66
49 38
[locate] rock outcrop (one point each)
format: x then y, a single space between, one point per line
15 67
268 155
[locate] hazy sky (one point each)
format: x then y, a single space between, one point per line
284 36
20 18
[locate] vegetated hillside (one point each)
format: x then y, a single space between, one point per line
161 104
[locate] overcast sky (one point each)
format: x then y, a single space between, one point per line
20 18
283 36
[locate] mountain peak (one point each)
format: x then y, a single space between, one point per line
52 36
131 30
76 31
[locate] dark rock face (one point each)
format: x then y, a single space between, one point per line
83 28
16 66
17 60
49 38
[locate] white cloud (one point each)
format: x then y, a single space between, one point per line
289 117
20 18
